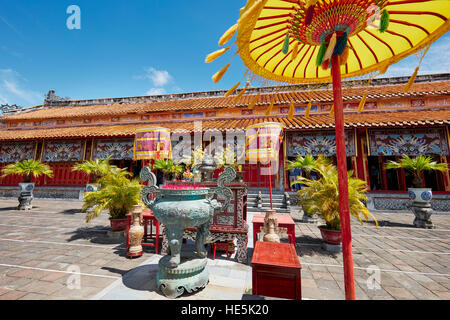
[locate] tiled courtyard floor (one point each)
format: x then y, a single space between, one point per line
40 249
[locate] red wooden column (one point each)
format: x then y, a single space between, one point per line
343 182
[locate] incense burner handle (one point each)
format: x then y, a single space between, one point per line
151 189
228 175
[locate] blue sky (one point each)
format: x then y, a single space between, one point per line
128 48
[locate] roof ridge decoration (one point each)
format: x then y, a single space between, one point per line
53 101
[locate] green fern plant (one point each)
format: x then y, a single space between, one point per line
27 169
321 196
118 195
416 166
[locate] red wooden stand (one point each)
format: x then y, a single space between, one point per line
276 271
283 222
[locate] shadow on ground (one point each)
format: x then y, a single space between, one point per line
71 211
311 246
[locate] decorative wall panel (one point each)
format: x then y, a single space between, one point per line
315 143
63 150
17 151
118 149
397 142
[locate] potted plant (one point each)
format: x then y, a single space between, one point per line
168 168
308 164
27 169
321 196
416 166
118 195
97 168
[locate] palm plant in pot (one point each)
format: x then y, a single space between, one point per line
417 166
118 195
308 164
27 169
97 168
321 196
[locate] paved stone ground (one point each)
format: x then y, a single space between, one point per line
40 249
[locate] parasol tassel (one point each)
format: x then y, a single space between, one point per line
233 89
341 44
384 21
269 109
332 110
228 35
309 14
344 56
411 80
291 110
294 51
308 109
321 53
285 48
214 55
236 98
383 71
219 74
325 64
249 12
362 103
330 47
253 102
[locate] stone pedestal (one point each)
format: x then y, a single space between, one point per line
26 195
25 199
310 219
335 248
189 276
423 212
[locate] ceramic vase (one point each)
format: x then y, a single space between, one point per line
136 232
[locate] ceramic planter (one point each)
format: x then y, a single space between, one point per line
91 188
331 236
118 224
422 195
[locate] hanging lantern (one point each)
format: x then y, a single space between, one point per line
152 143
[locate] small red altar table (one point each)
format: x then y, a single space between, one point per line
276 271
283 222
149 221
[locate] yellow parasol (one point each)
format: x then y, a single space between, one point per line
301 41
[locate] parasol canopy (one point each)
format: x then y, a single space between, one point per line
281 39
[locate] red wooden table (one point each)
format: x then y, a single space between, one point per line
276 271
283 222
149 221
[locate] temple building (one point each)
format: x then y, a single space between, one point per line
62 132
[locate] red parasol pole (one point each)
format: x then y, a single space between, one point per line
270 183
343 182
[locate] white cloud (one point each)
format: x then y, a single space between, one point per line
156 91
159 77
435 61
14 91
